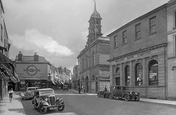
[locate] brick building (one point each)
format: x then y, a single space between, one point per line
93 67
142 53
33 71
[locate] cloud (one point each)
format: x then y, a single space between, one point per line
36 41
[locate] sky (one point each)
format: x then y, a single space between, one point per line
58 29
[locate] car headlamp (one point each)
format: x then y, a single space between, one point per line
46 99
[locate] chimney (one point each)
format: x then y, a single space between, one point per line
20 56
36 56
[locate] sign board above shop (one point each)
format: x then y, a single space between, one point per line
140 54
32 71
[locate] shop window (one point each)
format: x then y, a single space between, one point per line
153 72
127 75
138 74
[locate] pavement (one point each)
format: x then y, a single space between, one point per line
13 108
16 107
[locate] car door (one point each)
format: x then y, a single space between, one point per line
118 91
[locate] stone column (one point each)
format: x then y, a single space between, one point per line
144 72
122 82
131 73
112 75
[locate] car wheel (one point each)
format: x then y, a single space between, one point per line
104 95
35 106
127 97
43 109
137 98
61 108
110 96
98 94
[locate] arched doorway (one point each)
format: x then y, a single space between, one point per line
138 74
153 72
127 75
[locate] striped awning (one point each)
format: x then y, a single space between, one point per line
7 67
8 74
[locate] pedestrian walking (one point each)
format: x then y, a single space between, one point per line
79 89
11 94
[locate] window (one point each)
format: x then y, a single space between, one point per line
93 77
124 37
93 58
175 45
175 19
1 33
117 70
117 81
115 42
138 74
152 25
86 61
127 75
138 31
153 72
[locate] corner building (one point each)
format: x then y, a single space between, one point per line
93 67
33 71
139 55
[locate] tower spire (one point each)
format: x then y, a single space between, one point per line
94 5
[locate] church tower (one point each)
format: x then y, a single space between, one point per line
94 26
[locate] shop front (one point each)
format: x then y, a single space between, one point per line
8 77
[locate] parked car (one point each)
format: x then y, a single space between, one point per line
104 93
29 94
123 92
65 87
45 99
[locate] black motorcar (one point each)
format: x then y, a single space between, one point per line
45 99
123 92
65 87
103 93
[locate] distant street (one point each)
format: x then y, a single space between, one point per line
82 104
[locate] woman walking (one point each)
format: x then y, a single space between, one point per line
10 95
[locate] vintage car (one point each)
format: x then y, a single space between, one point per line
29 94
45 99
103 93
65 87
123 92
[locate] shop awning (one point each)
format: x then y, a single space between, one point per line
8 68
8 74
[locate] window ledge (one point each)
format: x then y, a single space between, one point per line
150 34
124 44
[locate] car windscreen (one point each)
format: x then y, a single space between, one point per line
46 92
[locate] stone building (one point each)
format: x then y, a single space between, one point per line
93 67
142 53
75 78
171 49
